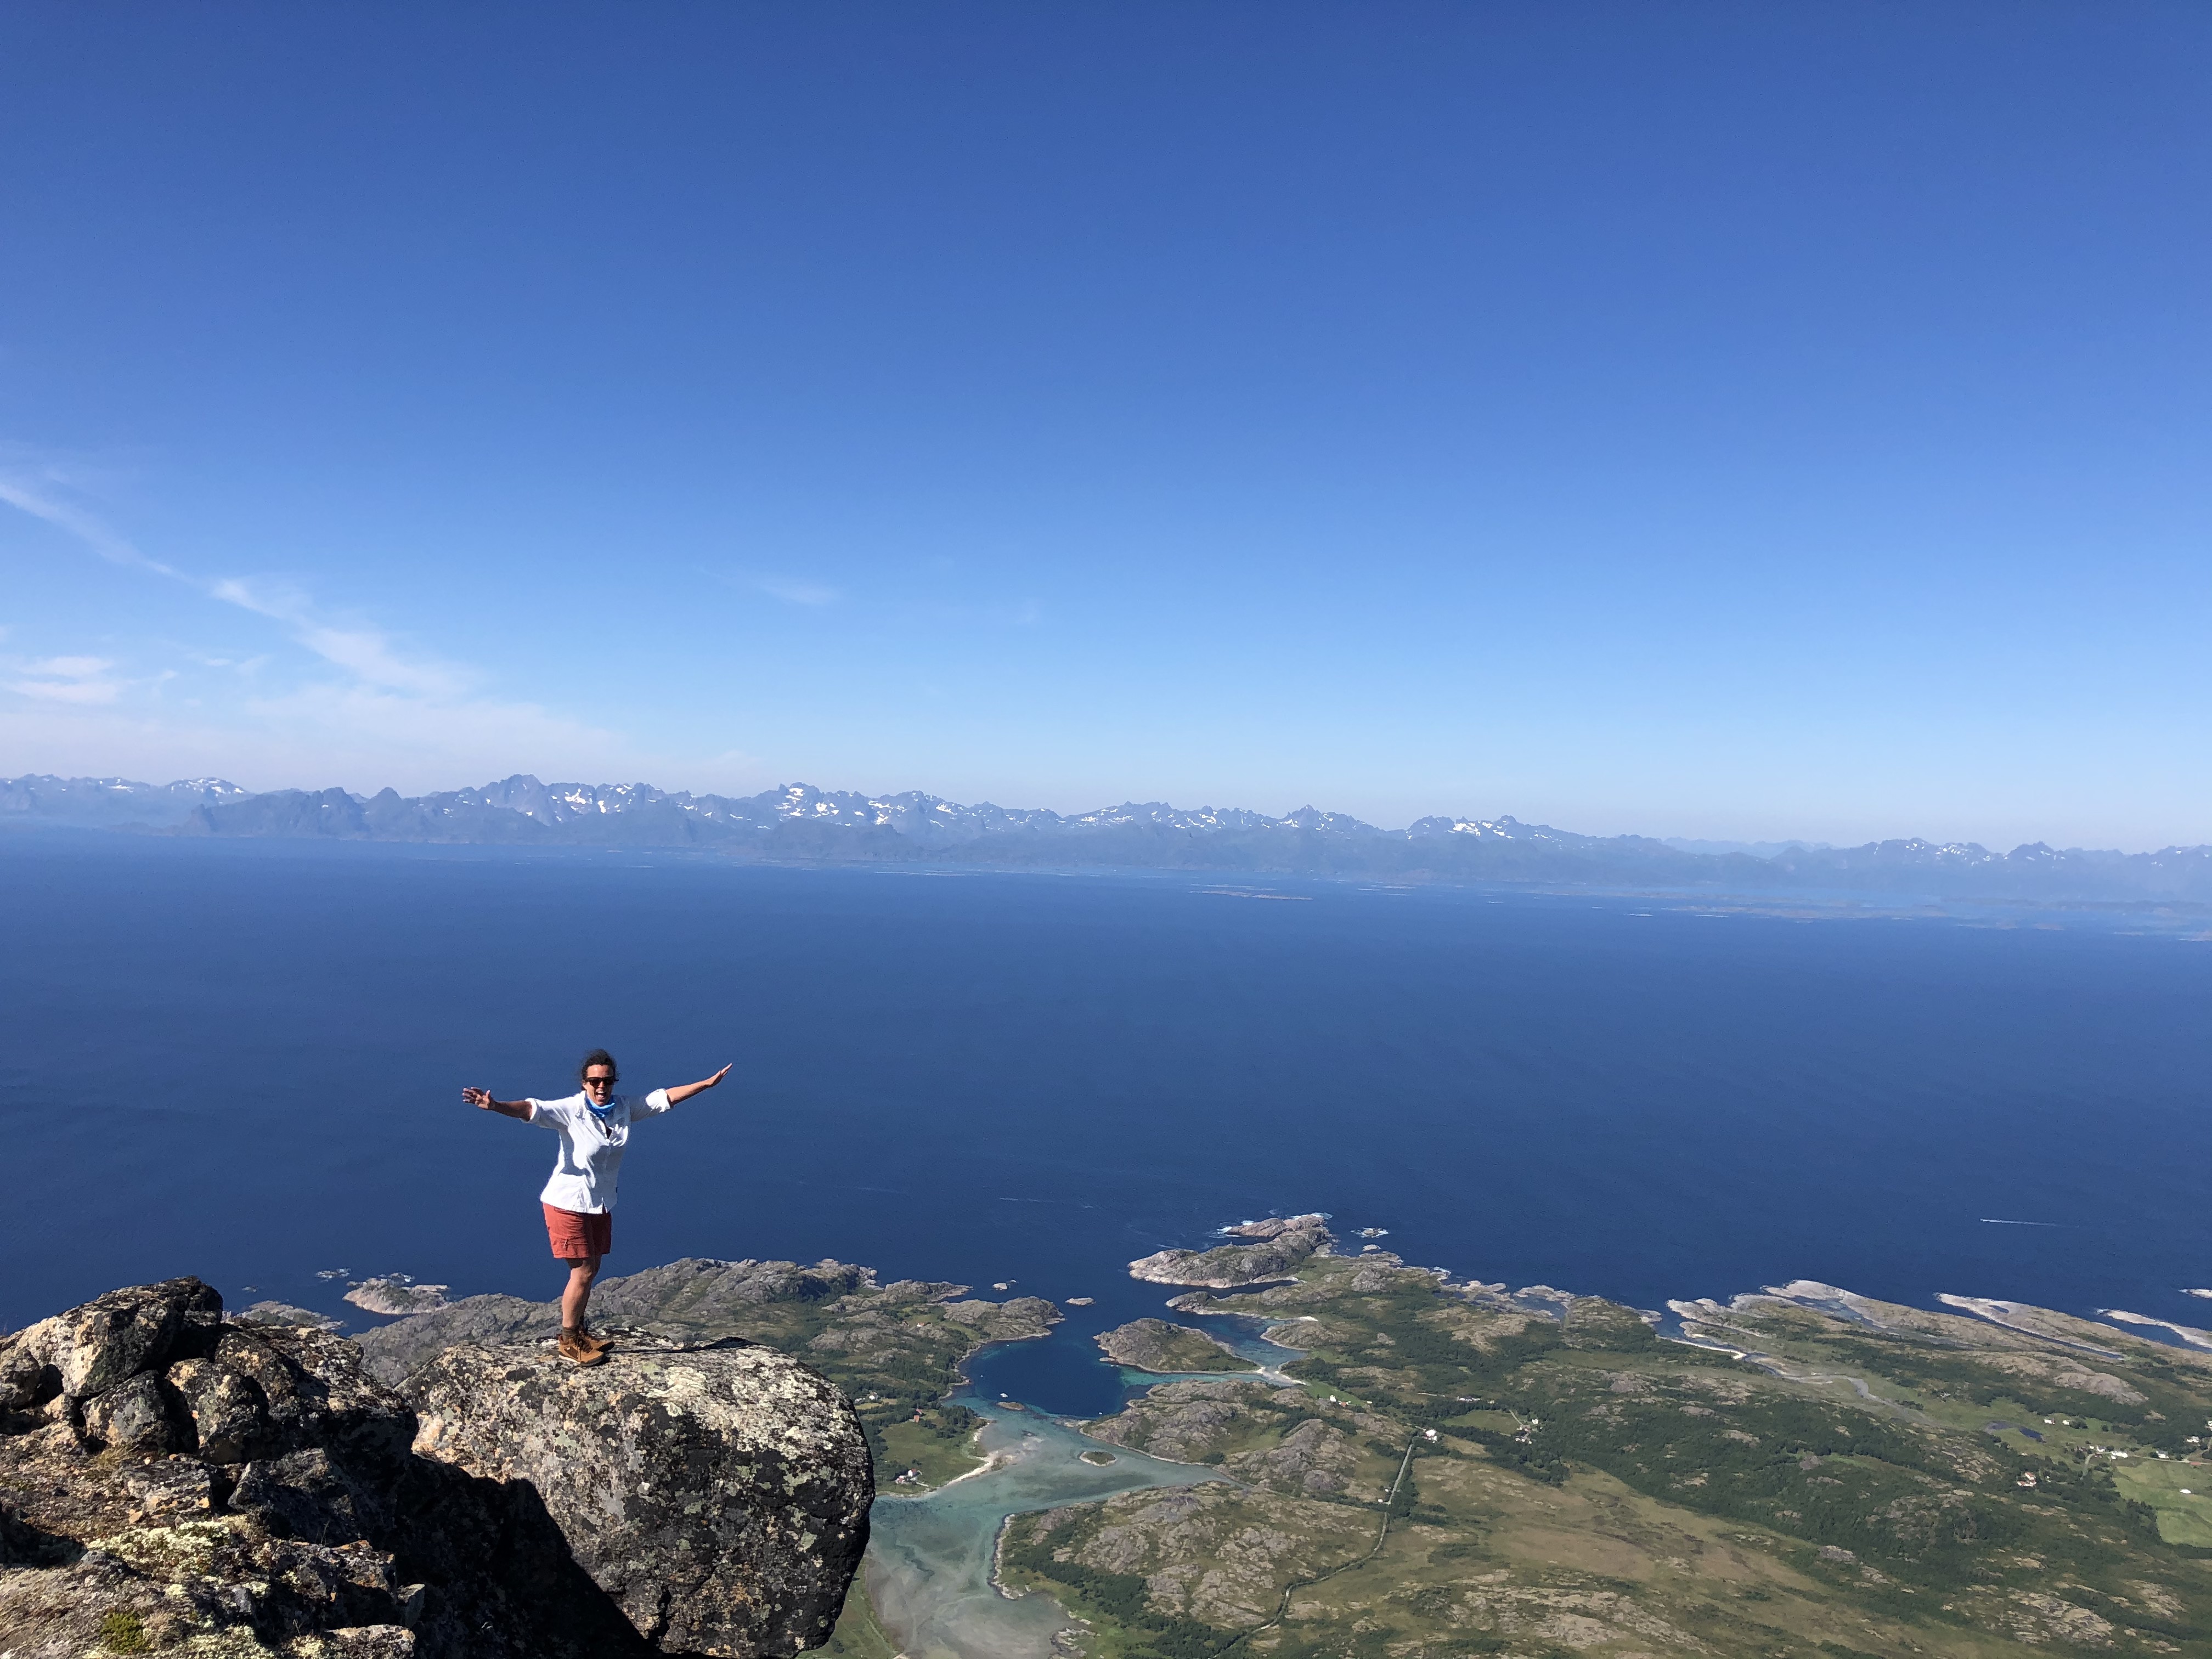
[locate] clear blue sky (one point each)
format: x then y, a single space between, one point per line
1728 419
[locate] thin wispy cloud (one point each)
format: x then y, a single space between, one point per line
253 665
460 737
386 710
796 592
365 651
46 487
86 681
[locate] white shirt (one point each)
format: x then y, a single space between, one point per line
591 1147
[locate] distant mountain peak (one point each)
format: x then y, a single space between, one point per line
801 821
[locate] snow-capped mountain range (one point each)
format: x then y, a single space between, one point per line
799 821
101 802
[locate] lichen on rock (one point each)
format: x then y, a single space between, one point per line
170 1482
754 1465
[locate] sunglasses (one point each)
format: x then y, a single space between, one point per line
598 1083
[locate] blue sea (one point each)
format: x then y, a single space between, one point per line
244 1062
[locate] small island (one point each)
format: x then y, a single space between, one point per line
1154 1345
397 1294
1272 1256
284 1314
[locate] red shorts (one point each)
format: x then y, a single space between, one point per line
576 1235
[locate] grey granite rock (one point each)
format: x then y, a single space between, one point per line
303 1494
283 1313
395 1350
286 1513
136 1417
717 1493
171 1488
229 1412
107 1340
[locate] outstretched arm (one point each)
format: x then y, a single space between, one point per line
685 1090
482 1100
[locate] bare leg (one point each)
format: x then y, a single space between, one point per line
577 1298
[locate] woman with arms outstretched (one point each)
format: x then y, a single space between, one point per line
579 1202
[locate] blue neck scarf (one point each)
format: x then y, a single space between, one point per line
602 1113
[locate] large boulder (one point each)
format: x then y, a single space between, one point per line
172 1482
137 1424
718 1493
108 1339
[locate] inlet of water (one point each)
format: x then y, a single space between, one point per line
929 1567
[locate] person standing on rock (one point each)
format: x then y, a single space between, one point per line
579 1202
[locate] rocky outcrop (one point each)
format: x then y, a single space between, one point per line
165 1477
688 1300
86 1350
1277 1249
717 1493
171 1481
283 1313
396 1349
1314 1460
1189 1422
1274 1227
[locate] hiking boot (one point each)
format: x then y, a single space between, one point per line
574 1347
596 1344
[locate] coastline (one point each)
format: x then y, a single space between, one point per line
935 1567
992 1460
999 1564
953 1396
1035 1465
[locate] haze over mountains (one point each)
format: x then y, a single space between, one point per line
804 823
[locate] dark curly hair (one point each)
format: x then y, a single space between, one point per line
597 1057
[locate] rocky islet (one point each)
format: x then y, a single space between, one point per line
1156 1346
1271 1251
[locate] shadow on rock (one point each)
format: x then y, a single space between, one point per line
167 1479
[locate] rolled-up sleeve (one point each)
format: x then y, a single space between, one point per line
653 1105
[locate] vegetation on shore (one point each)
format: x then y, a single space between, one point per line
1590 1487
859 1634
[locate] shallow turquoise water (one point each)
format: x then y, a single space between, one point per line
929 1562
